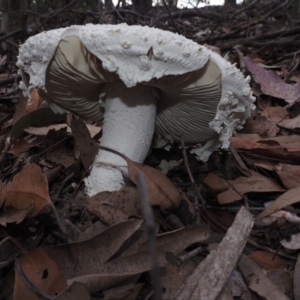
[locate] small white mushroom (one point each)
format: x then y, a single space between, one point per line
139 80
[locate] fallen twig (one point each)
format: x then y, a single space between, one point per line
11 79
55 14
7 36
211 275
244 8
170 15
197 194
150 227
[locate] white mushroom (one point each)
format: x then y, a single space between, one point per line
139 80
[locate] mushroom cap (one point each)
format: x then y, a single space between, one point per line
74 67
137 54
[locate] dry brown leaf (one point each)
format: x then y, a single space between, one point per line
84 144
172 243
215 183
126 292
92 231
76 290
186 233
276 112
88 257
7 286
88 260
37 118
259 162
273 116
271 83
255 141
108 214
162 191
101 282
288 198
174 276
279 154
126 199
19 147
28 187
289 175
267 260
42 272
235 288
265 123
112 207
258 282
61 155
242 185
251 141
223 217
12 215
282 278
291 123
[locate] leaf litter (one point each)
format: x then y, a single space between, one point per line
96 248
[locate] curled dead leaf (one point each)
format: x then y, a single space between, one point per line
13 215
271 83
29 187
161 191
42 272
267 260
233 190
289 175
126 200
288 198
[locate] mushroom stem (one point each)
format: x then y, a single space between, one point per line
128 127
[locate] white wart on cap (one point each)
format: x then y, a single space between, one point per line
138 80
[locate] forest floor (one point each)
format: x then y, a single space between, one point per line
233 231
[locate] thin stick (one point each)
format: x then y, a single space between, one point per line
8 238
289 74
181 259
245 8
7 36
235 209
56 13
150 228
117 12
170 15
103 15
11 79
13 241
280 253
197 194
